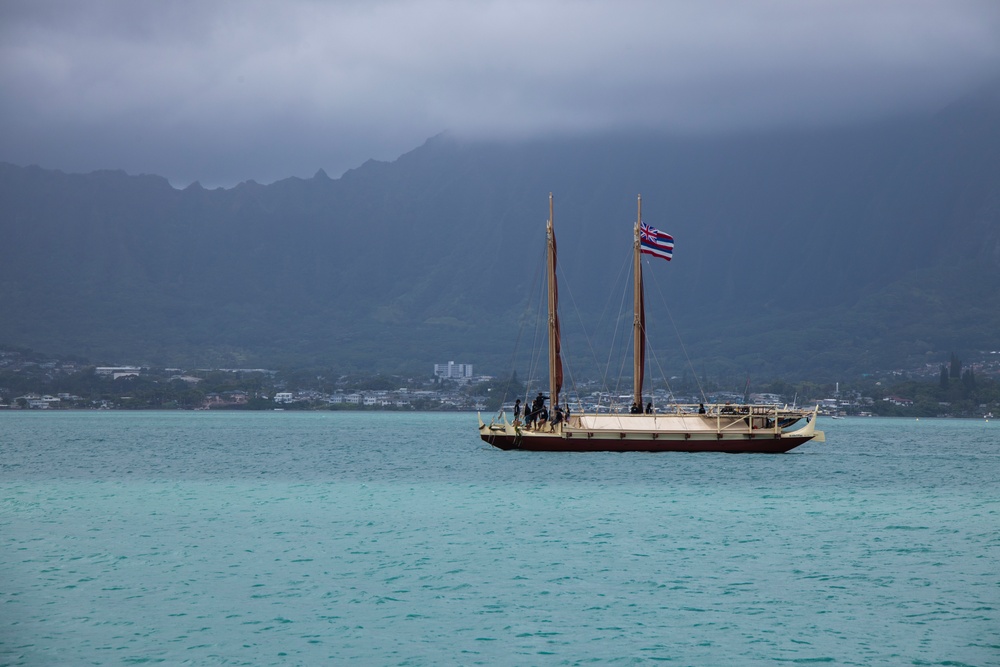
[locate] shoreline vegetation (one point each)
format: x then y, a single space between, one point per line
30 380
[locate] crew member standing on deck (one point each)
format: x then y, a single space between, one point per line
539 403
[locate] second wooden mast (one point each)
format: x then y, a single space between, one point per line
639 313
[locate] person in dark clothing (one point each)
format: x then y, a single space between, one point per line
538 412
701 408
635 409
649 408
517 410
557 417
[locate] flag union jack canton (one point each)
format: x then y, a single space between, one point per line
654 242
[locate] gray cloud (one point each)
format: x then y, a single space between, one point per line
229 91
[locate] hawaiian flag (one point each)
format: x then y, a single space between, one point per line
654 242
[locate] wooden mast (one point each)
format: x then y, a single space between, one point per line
555 361
639 315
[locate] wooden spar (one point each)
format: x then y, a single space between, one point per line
555 361
639 316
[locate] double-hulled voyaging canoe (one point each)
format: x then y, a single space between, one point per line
683 428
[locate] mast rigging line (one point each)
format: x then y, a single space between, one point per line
535 355
598 365
680 341
520 332
620 322
534 358
652 351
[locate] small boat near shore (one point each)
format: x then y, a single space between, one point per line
682 428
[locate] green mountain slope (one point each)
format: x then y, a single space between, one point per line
798 252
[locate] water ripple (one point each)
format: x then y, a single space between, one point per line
277 539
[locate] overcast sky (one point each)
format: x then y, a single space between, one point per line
222 92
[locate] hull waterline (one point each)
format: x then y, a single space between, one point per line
636 443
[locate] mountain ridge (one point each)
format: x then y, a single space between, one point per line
814 251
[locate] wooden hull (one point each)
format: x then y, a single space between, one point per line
636 442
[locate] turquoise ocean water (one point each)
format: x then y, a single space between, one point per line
401 539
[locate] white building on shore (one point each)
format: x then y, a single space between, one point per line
453 371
